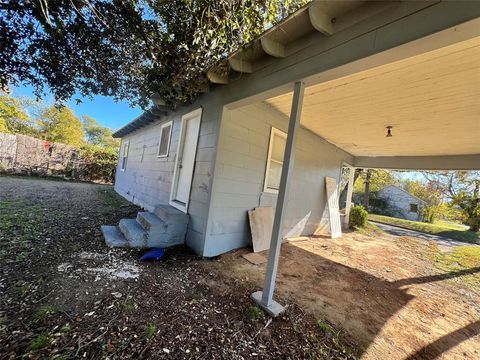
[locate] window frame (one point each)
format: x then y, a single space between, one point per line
273 132
414 205
124 159
162 127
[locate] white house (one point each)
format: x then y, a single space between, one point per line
312 94
402 203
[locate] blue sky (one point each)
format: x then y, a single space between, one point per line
104 109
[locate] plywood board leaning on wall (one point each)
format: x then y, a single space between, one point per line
261 224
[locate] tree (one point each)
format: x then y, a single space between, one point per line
427 191
62 126
460 189
127 49
13 118
97 134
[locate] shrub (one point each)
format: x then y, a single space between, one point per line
98 163
358 216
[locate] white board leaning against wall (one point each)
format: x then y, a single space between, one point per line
333 208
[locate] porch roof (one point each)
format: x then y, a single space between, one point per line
430 100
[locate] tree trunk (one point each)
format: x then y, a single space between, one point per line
366 197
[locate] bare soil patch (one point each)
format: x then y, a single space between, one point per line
65 295
385 291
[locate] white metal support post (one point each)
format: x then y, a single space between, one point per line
265 299
348 205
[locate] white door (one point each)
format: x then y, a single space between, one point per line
333 210
187 149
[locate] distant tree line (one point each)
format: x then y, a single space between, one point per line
94 142
449 195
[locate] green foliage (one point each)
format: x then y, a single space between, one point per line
451 230
324 326
62 126
461 258
441 211
45 311
470 206
39 342
378 180
133 49
97 134
254 313
150 331
358 217
13 118
129 306
426 191
429 214
98 163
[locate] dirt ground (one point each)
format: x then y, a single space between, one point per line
65 295
383 290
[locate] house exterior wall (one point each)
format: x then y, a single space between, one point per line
399 202
147 179
240 174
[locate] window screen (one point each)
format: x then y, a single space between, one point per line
164 144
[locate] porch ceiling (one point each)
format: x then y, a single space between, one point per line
432 101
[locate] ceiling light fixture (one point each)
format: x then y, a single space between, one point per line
389 131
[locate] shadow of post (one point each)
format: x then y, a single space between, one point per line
356 300
446 342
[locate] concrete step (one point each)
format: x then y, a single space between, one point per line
160 233
169 214
113 236
150 221
134 233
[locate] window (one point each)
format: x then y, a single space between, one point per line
124 156
276 152
414 208
164 142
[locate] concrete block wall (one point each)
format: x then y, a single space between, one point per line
147 179
399 200
240 172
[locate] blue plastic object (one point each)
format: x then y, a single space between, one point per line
153 254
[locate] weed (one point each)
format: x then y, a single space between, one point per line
23 288
129 306
254 313
324 327
149 331
65 329
203 291
39 342
45 311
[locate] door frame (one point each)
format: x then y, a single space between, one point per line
178 157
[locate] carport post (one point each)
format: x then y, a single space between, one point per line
348 205
265 299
